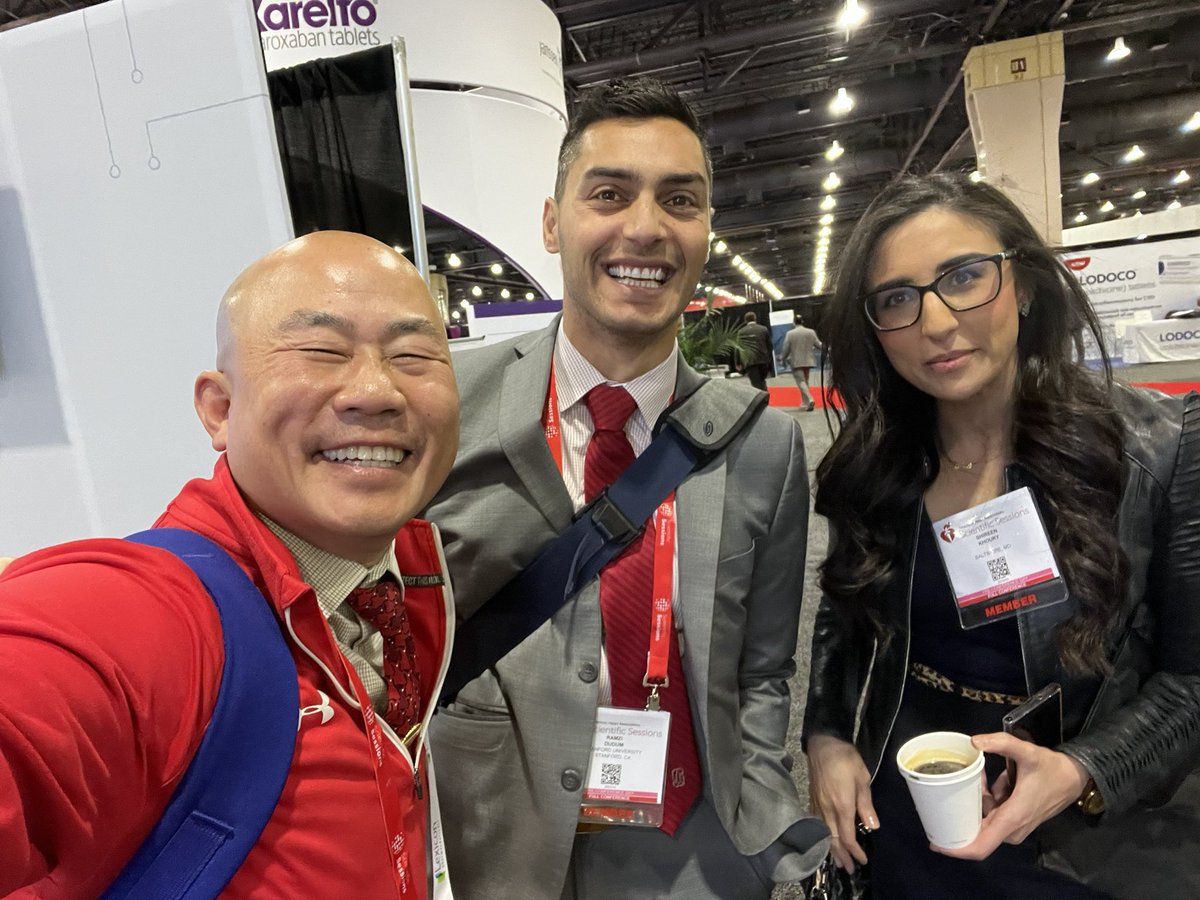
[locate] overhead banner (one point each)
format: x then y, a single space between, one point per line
1134 284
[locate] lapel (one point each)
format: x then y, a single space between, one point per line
519 426
700 507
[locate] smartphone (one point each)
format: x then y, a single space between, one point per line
1038 720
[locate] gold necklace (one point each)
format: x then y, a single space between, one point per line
957 466
967 466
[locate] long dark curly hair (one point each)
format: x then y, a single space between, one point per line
1067 435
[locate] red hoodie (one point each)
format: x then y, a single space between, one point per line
110 660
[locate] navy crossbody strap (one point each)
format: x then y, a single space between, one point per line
234 781
572 560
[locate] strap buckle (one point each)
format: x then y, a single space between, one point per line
610 521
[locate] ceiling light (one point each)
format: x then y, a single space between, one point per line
1139 194
529 295
1119 50
1142 237
976 177
852 15
456 315
1133 154
477 291
829 202
464 304
842 103
737 260
398 249
1090 178
453 260
505 293
720 247
827 219
825 231
1192 124
496 269
1174 204
1181 177
1081 216
1107 207
834 152
831 181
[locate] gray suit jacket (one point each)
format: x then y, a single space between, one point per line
511 753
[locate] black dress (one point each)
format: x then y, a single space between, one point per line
988 657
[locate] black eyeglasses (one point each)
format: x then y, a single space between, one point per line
966 286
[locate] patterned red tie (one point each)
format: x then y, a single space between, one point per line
626 587
383 607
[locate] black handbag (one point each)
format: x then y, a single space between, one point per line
832 883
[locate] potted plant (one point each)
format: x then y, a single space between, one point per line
710 343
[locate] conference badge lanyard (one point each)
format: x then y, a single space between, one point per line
626 779
998 559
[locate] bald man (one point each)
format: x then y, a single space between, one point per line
334 409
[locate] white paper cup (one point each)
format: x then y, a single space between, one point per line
950 805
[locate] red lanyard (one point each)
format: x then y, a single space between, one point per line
663 584
386 778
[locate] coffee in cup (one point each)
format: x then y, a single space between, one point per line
943 771
937 761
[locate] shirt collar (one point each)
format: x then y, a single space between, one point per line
574 376
332 577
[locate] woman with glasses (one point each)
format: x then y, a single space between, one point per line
956 340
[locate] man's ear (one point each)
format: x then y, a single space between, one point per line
550 225
212 397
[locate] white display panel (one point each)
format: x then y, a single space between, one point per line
138 175
488 164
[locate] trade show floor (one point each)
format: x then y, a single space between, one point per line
1176 377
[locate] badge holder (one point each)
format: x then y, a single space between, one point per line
627 776
998 559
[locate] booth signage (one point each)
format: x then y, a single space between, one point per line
1134 284
297 31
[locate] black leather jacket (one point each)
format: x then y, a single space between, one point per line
1137 731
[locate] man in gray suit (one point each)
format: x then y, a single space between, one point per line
799 351
630 218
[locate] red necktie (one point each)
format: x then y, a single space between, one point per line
383 607
626 586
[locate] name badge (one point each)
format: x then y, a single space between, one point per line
998 559
626 775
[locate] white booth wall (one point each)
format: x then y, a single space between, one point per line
138 174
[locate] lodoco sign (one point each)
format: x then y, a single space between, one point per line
1138 283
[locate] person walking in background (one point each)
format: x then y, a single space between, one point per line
955 337
756 361
799 351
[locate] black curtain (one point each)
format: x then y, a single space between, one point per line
339 137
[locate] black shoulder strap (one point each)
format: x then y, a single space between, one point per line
574 558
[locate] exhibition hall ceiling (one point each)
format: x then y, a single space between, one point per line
763 72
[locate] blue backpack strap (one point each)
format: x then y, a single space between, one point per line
234 781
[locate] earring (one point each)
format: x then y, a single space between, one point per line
1023 308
